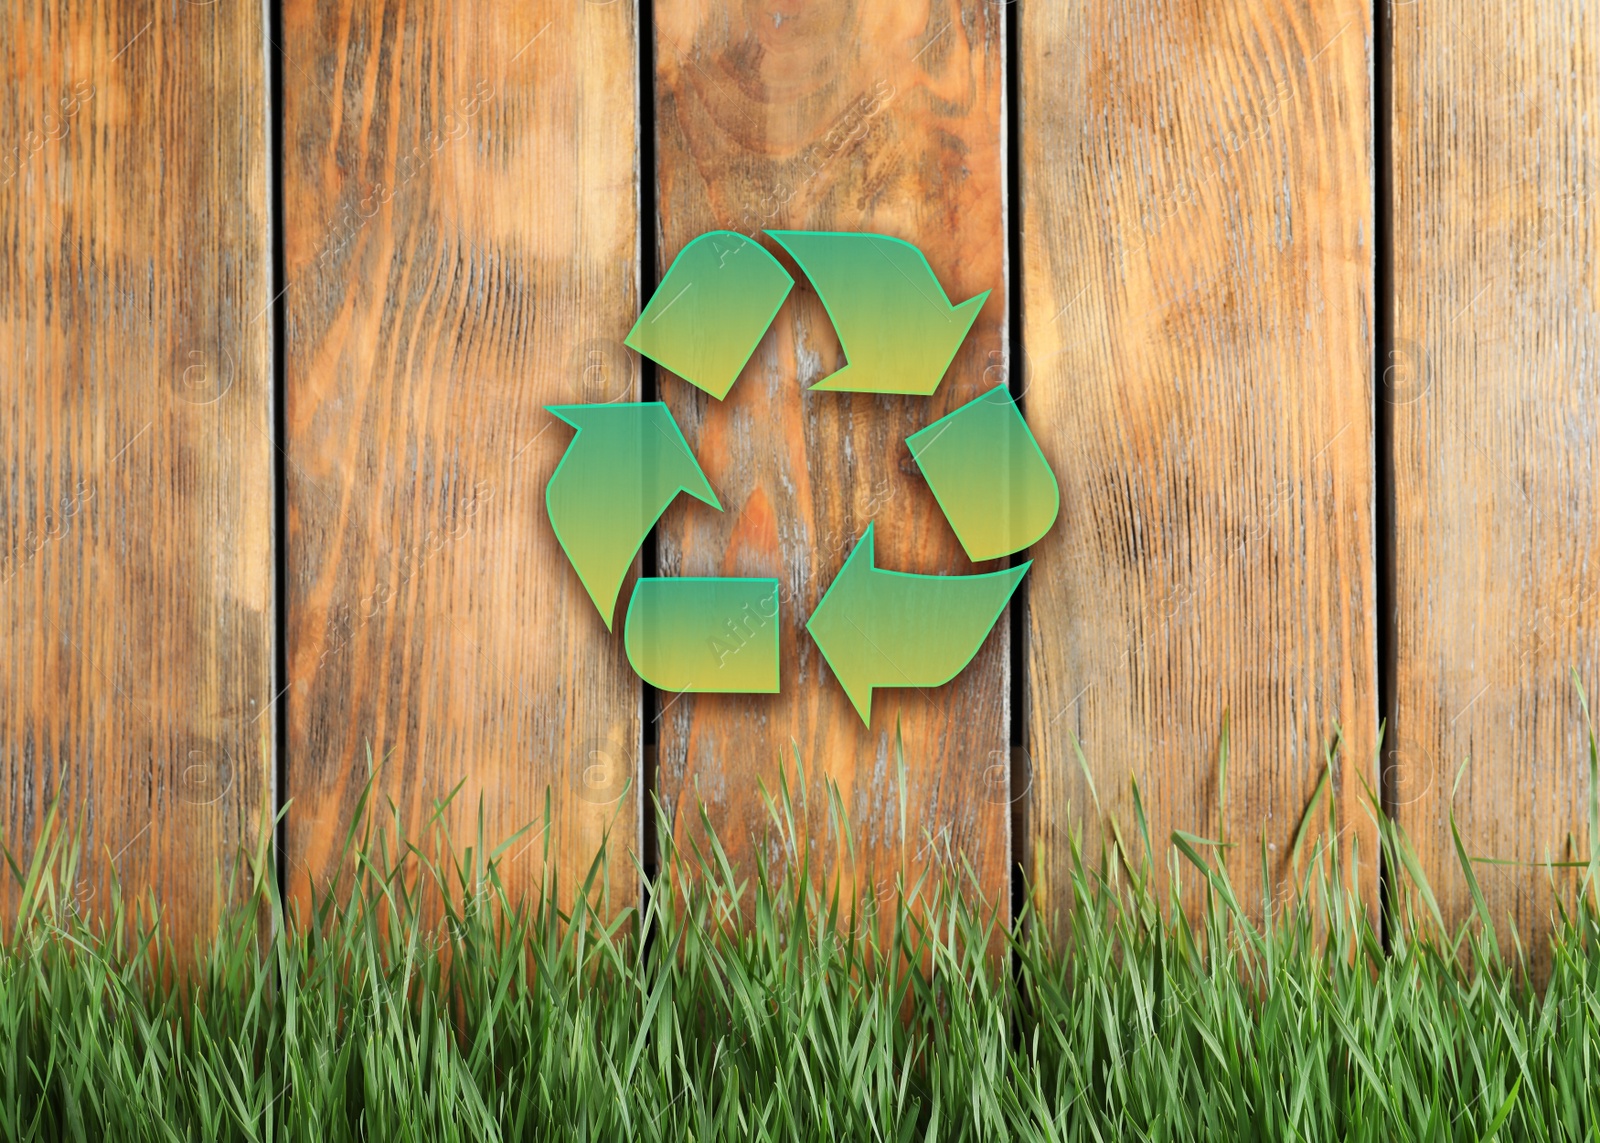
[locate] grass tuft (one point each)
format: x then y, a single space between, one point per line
422 1002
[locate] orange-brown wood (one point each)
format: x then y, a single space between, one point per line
462 238
136 579
884 118
1197 277
1496 442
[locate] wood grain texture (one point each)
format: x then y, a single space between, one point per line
1496 440
136 584
461 191
835 116
1197 276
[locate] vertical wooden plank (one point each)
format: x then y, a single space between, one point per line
1197 267
836 116
461 192
136 576
1496 440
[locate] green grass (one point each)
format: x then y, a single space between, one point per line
421 1002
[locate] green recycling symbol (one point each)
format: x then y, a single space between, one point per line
875 628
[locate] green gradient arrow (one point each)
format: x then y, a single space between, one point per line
717 300
622 469
988 475
717 636
893 629
897 326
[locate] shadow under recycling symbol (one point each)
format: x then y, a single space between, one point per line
875 627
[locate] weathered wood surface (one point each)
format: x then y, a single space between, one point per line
136 582
879 118
1197 275
1496 440
462 249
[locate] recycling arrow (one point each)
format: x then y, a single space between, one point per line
624 466
713 306
707 634
988 475
880 628
897 326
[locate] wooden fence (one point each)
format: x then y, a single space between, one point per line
1300 302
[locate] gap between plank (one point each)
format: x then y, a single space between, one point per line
649 390
1383 431
272 11
1019 790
